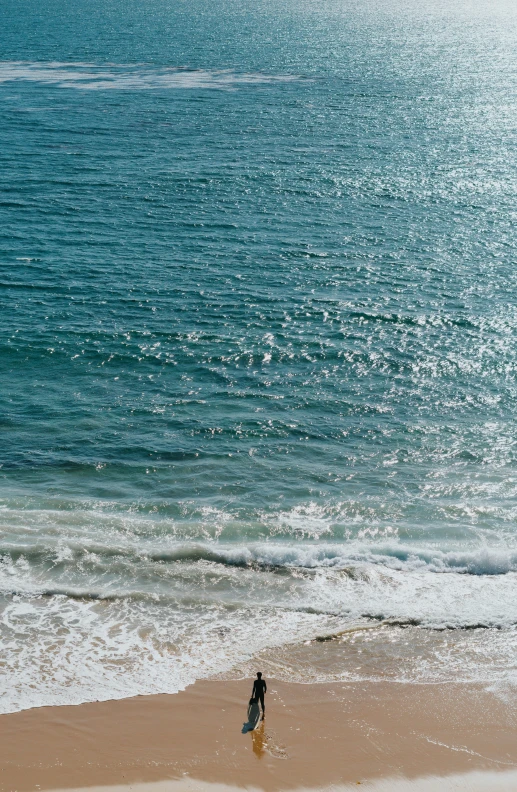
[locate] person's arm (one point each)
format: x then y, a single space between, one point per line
265 687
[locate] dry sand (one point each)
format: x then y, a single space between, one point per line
314 736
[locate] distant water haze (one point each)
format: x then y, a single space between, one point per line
258 343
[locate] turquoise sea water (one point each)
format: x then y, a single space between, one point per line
257 335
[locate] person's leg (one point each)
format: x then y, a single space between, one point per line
261 697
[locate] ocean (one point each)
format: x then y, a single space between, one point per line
257 343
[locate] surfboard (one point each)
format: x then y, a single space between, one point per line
253 718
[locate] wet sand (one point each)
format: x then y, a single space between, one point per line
313 736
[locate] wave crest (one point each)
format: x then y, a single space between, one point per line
483 560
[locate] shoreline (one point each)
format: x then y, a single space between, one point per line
475 781
315 735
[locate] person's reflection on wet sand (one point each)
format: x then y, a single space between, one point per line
259 740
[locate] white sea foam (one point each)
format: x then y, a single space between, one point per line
59 650
502 780
98 604
92 77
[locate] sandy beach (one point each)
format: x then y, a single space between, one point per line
314 736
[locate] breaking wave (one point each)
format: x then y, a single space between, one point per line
278 556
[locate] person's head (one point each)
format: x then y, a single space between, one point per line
259 674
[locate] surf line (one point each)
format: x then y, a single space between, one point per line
463 749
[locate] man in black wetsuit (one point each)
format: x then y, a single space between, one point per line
259 688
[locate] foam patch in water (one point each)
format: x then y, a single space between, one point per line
91 77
